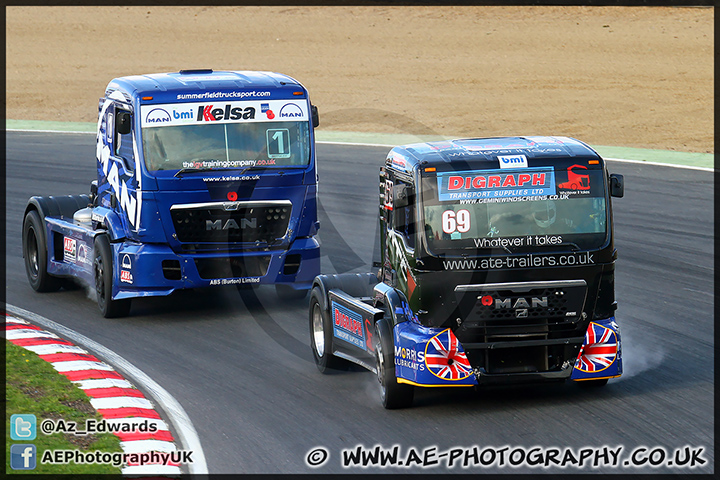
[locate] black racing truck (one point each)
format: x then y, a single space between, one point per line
497 266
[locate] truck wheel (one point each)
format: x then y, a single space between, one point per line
393 394
35 254
321 336
286 292
103 266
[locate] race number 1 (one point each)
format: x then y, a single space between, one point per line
278 143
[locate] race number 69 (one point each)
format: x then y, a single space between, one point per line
453 221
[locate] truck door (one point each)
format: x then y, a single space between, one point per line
399 232
118 175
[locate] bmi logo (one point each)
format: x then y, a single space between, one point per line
187 115
512 161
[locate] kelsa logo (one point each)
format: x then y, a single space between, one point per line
206 113
290 110
158 115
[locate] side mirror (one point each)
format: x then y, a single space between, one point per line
315 116
123 123
93 193
617 185
400 196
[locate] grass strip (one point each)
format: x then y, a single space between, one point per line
33 386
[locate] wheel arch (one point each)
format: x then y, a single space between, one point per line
394 301
354 284
61 206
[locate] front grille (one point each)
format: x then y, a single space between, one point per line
525 313
171 269
522 308
520 327
559 303
232 267
231 222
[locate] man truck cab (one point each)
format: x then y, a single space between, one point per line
204 178
493 270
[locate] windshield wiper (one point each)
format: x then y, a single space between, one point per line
488 249
183 171
573 246
249 168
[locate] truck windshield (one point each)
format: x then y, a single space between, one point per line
237 135
516 209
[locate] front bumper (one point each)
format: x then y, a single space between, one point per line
144 270
434 357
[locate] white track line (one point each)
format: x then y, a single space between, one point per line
143 446
187 434
54 348
108 403
46 131
80 365
689 167
102 383
358 144
22 333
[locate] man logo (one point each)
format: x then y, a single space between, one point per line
158 115
231 224
290 110
82 254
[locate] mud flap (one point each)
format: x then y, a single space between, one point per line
600 356
430 357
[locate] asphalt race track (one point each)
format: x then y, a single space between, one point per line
240 364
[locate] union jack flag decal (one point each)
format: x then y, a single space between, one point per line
599 350
445 359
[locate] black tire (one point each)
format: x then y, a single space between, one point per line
593 383
36 255
103 268
393 394
321 336
286 292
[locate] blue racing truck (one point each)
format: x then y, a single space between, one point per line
497 266
203 178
